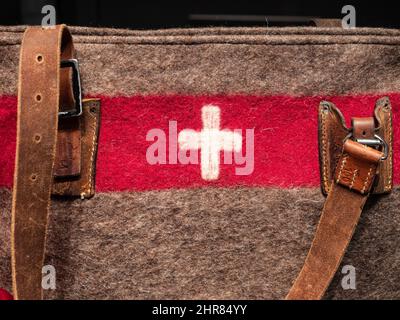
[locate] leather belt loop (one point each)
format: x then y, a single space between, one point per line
354 176
43 89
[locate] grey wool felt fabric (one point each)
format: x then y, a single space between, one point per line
284 61
241 243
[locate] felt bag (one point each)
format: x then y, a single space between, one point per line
207 175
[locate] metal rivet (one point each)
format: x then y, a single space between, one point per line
325 107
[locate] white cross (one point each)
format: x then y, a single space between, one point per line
211 141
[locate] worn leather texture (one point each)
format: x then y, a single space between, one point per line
346 199
363 128
47 151
357 167
333 131
83 185
68 151
38 106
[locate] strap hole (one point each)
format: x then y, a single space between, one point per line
39 58
93 110
33 177
37 138
364 133
38 97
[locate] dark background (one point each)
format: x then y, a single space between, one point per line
150 14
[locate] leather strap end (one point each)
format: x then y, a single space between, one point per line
42 87
357 167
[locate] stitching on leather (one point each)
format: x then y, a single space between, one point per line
353 179
89 185
92 155
367 179
388 186
324 152
341 168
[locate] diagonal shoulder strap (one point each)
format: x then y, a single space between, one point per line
43 86
354 176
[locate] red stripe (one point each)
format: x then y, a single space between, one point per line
4 295
286 153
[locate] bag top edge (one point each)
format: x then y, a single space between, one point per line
96 31
12 35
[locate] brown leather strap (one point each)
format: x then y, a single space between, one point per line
332 131
43 89
354 177
363 128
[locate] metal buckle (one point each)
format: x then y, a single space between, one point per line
77 89
375 143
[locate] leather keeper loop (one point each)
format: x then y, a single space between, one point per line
357 166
